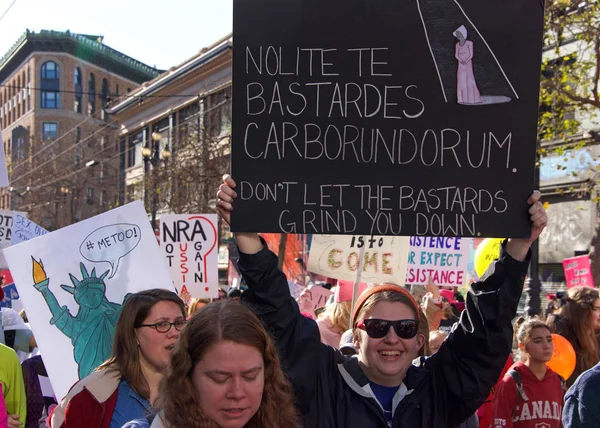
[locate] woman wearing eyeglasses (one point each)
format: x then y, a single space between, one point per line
125 387
224 373
382 388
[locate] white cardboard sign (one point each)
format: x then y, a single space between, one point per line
6 226
24 229
189 243
338 256
73 283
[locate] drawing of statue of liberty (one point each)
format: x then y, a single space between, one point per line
91 331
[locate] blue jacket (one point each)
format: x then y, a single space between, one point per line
582 402
443 391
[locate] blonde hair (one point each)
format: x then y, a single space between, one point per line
339 314
437 333
194 303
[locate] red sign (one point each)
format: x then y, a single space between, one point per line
6 277
578 271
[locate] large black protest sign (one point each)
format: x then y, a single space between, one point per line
385 117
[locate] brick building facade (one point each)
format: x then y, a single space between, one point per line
61 150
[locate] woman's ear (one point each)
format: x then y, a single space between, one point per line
356 338
522 347
420 340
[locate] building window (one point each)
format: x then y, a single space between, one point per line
77 135
131 155
78 156
28 91
90 196
50 100
105 95
101 198
50 85
91 95
18 96
78 91
134 152
49 130
50 71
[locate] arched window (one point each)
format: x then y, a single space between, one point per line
78 91
91 95
50 85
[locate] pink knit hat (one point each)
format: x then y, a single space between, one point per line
345 289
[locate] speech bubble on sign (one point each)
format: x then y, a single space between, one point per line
110 244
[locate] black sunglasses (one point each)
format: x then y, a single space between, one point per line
377 329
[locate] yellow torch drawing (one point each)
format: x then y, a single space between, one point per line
39 274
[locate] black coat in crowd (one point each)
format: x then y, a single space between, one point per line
444 390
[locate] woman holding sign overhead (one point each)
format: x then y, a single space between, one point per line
382 387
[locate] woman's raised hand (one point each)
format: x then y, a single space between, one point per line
225 197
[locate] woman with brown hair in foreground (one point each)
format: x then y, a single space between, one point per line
225 373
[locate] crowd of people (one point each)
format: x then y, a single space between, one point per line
261 358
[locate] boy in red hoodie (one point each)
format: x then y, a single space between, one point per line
530 395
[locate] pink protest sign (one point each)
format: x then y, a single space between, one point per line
578 271
318 296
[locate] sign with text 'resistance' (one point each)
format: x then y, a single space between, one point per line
409 118
443 259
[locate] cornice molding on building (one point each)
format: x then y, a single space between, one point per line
172 109
201 83
150 88
37 55
572 187
589 137
79 45
89 64
566 42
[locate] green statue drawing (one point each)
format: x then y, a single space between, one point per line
91 331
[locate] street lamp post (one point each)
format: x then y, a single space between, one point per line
533 285
152 156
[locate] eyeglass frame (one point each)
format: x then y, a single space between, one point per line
171 325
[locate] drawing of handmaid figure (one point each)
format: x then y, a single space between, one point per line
91 331
466 87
